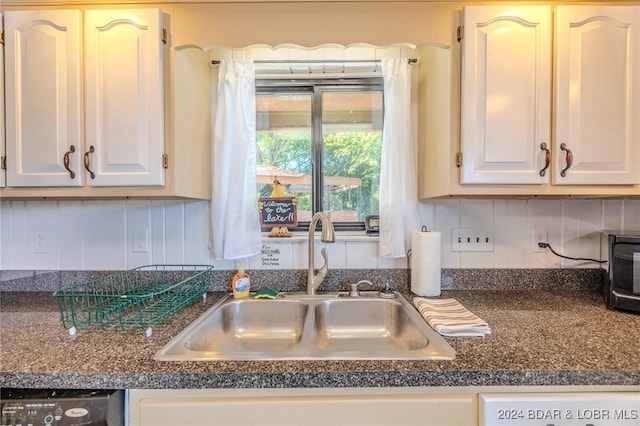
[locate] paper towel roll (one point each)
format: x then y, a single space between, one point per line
425 263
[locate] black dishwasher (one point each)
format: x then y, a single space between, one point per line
62 407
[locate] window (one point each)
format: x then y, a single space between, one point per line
323 140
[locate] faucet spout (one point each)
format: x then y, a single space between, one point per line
328 236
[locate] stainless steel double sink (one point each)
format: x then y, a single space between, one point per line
296 326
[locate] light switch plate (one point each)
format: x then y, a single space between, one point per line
140 240
41 241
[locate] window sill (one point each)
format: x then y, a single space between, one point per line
304 236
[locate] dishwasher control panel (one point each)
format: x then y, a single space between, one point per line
33 413
62 408
560 409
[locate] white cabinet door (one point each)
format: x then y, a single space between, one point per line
124 86
240 407
2 158
506 94
43 91
597 95
124 97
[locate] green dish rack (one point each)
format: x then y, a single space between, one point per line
138 298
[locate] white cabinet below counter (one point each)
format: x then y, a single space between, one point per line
295 407
398 406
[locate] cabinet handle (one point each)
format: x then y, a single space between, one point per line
568 157
547 158
87 161
65 161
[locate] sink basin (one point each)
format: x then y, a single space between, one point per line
378 325
308 327
250 326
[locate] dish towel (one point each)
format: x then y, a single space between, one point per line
449 318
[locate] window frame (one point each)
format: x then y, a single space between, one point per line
316 87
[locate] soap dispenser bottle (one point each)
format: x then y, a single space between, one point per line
240 285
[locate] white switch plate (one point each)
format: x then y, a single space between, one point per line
41 241
471 239
140 240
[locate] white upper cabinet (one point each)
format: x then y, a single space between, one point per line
120 58
124 96
2 152
597 95
43 74
506 94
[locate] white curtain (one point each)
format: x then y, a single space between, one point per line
234 212
399 214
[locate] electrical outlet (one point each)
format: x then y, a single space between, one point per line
140 240
538 236
41 241
471 239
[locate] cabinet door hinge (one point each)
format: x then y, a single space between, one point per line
3 163
1 36
458 159
165 35
165 161
460 33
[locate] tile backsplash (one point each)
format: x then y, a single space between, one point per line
99 235
339 279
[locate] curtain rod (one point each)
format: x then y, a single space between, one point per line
319 61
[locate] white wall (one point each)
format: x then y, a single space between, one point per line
98 235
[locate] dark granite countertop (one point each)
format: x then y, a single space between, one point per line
540 337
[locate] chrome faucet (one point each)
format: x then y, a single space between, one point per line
385 293
328 236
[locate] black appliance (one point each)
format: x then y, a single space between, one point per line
67 407
622 281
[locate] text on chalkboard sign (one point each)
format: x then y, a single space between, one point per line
278 211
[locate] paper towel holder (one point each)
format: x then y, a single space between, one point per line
409 267
422 229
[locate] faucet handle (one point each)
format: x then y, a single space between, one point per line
354 287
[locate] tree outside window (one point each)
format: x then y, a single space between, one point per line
323 141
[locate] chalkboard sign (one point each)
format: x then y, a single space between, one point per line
278 211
